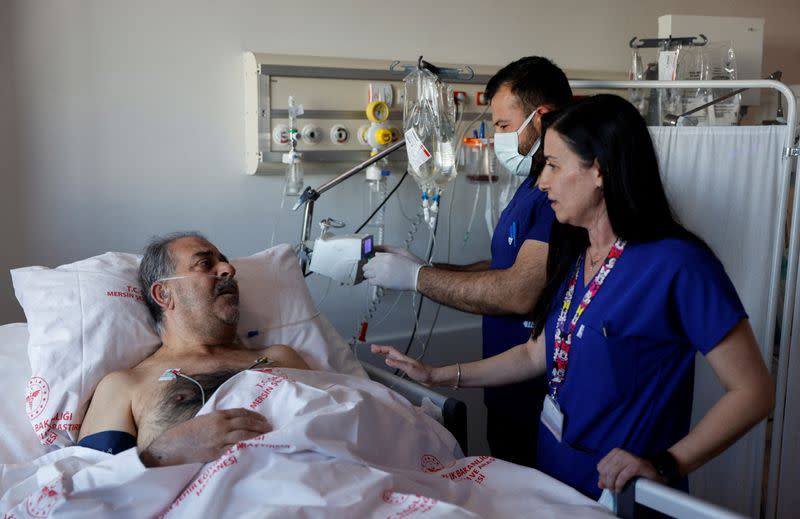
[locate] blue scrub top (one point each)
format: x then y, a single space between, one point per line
528 216
631 385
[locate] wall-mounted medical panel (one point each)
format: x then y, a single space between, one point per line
335 96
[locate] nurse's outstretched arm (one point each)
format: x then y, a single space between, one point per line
513 290
520 363
748 399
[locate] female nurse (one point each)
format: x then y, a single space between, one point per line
631 297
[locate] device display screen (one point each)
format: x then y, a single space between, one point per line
366 247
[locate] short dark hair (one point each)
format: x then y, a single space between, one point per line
158 263
610 130
535 80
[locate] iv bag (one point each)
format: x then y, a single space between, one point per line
429 121
715 61
637 96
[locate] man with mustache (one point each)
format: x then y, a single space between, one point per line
192 294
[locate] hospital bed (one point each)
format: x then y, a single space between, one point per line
341 445
494 488
18 444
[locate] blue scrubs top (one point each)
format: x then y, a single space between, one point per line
631 386
528 216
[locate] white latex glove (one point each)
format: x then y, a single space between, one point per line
402 251
393 270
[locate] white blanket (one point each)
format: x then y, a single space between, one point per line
341 447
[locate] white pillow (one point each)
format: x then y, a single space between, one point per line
88 318
17 444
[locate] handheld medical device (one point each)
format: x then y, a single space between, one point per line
341 257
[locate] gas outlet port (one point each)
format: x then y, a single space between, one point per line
280 134
339 134
311 134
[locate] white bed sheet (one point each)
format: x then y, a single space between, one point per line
341 446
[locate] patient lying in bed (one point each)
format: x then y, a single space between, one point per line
191 292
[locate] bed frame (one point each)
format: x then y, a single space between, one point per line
647 499
454 411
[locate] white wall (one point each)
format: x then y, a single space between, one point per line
128 114
11 223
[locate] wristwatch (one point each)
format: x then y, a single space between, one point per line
667 467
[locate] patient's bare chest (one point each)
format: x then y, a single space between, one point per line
161 404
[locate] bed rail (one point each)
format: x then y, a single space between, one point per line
454 411
645 499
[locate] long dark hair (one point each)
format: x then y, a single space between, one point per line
608 129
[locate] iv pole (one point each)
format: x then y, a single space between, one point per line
310 195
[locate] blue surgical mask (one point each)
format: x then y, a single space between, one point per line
506 148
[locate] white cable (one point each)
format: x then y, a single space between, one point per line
327 291
432 248
472 216
391 309
402 209
453 195
278 219
202 392
431 245
489 207
450 218
299 321
430 332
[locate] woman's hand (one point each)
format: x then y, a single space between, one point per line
619 466
415 369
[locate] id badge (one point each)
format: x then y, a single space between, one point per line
552 417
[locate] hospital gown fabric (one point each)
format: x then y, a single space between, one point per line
513 410
630 377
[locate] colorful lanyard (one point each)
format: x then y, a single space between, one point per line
563 337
